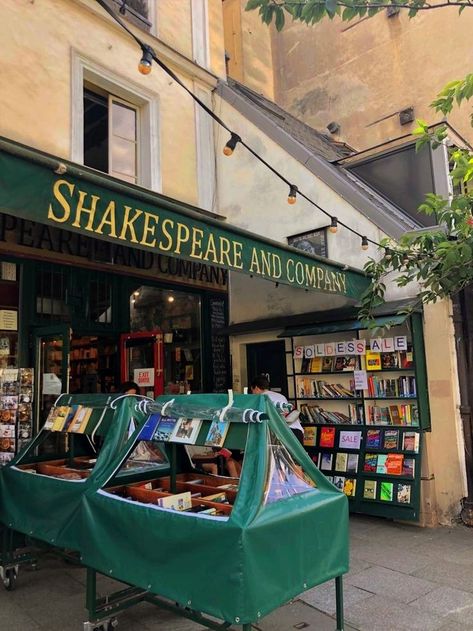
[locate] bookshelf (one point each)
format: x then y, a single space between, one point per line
364 414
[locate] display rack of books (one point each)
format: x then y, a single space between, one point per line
364 407
16 411
94 365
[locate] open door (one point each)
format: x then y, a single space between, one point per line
52 351
141 357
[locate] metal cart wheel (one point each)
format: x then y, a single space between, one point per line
9 580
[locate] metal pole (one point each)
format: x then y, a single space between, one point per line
91 589
339 601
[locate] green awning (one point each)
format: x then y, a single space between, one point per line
52 191
344 325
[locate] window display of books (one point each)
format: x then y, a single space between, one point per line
382 381
16 411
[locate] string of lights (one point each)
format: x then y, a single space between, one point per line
145 66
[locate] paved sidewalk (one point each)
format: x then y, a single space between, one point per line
402 578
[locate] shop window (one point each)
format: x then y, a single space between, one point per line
285 477
178 315
51 293
9 304
313 242
100 301
110 135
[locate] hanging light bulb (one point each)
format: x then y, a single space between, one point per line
146 62
231 144
334 225
292 197
364 243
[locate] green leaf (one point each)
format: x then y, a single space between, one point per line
279 19
331 6
252 4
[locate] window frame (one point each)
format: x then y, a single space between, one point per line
309 233
146 103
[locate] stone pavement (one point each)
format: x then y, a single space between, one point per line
401 578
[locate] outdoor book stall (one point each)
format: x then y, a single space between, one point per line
152 511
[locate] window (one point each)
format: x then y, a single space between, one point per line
110 135
135 11
115 124
314 242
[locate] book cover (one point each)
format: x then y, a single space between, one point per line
59 418
352 463
339 482
310 436
408 467
326 461
373 438
373 360
381 464
341 462
386 492
186 430
369 490
349 487
384 417
371 463
345 363
404 493
165 428
410 441
180 501
389 360
70 417
327 437
316 364
149 428
217 433
327 364
406 359
79 422
391 439
394 464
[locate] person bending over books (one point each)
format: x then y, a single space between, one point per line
130 387
260 385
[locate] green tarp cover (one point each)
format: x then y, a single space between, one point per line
237 569
45 507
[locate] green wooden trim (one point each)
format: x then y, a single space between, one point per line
420 371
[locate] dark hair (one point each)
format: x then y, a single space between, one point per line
261 382
130 385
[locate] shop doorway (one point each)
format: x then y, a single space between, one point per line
268 358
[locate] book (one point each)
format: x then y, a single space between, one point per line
373 438
410 441
180 501
345 364
349 487
59 418
391 439
381 464
315 364
404 493
394 415
352 463
371 462
217 497
165 428
394 464
341 461
386 491
408 467
389 360
327 364
406 359
326 461
217 433
339 482
186 430
80 420
327 437
149 428
369 490
310 436
373 360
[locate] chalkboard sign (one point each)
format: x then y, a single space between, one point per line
219 345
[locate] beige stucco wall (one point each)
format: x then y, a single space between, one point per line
362 73
37 43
